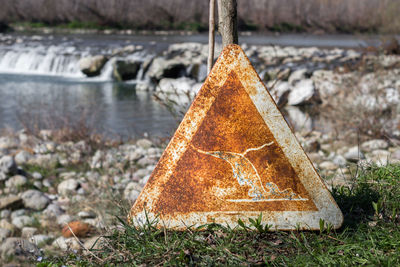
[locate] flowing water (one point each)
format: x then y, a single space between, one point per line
40 80
114 109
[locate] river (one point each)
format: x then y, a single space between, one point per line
40 81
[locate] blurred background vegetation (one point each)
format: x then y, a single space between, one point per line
320 16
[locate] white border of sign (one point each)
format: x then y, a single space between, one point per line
233 59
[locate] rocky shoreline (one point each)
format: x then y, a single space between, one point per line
295 77
48 186
45 185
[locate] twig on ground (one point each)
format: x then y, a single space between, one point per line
80 243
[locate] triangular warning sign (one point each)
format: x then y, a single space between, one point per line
234 156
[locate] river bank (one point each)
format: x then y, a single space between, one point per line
116 72
343 105
46 183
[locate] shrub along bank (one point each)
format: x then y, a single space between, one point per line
275 15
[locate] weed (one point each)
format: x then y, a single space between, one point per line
358 242
255 224
364 110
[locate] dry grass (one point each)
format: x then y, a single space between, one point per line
370 236
64 126
279 15
362 109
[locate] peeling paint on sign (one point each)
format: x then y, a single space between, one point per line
234 156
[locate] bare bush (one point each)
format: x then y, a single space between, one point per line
284 15
63 126
365 109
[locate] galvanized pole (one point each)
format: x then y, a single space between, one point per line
211 34
227 21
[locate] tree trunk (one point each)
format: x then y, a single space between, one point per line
227 21
211 34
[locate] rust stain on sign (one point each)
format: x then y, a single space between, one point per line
233 156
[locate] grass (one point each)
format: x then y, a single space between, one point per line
370 236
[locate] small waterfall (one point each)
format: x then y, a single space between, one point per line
106 72
62 60
41 60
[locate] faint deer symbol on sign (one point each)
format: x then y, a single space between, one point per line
246 174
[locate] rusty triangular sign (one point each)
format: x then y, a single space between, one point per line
234 156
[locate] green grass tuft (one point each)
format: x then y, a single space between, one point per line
370 236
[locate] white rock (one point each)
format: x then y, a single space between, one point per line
374 145
379 160
141 173
327 165
64 219
7 165
41 240
354 154
91 66
4 233
47 183
144 86
16 181
46 160
192 46
280 89
28 232
131 195
67 187
18 213
38 184
22 221
10 202
297 76
37 176
144 143
40 149
35 200
145 179
169 68
381 154
181 85
22 157
4 223
8 142
303 93
132 191
96 242
196 88
97 159
66 244
298 119
14 246
133 156
339 160
146 161
396 154
87 214
53 210
392 96
150 168
23 138
5 214
326 82
67 175
81 191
